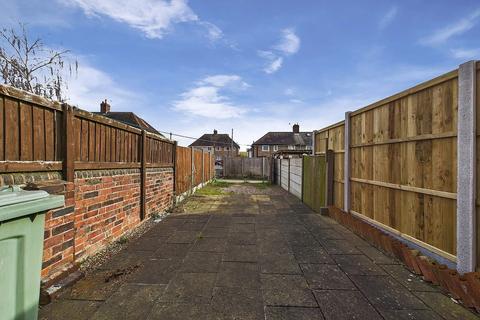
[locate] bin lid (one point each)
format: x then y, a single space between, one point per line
15 202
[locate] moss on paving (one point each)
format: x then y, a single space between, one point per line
213 189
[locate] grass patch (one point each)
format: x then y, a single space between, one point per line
263 185
214 188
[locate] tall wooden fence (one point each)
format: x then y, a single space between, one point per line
192 168
314 183
395 164
241 167
42 135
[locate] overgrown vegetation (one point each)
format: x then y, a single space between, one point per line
213 189
263 185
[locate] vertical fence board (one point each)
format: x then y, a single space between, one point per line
2 133
49 135
26 133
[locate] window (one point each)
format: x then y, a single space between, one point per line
265 148
209 148
275 148
218 148
228 148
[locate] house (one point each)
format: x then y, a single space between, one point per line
219 143
273 142
129 118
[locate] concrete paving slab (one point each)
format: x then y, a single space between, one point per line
312 254
386 293
293 313
241 253
131 301
156 271
408 279
286 290
358 265
190 287
326 276
69 309
201 262
345 305
443 306
239 275
238 303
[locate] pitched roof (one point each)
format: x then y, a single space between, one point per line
286 138
214 139
131 119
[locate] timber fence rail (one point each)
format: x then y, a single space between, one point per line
407 164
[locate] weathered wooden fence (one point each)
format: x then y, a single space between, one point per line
240 167
395 164
314 184
193 167
288 174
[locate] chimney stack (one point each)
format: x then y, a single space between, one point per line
215 131
296 128
104 107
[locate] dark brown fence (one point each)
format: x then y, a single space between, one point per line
192 168
42 135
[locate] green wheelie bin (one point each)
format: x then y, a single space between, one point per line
22 218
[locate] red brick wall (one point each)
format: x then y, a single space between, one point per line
101 206
159 190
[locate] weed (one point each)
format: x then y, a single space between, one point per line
122 240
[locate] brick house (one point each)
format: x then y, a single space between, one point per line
220 143
272 142
128 118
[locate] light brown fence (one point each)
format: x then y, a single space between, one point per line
403 163
333 138
190 174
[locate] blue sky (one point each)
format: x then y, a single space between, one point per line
255 66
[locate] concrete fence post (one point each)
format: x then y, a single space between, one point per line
466 168
346 169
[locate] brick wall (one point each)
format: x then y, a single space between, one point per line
159 190
100 207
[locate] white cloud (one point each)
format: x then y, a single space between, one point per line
461 53
208 100
459 27
214 33
222 80
274 65
90 86
289 45
388 17
290 42
154 18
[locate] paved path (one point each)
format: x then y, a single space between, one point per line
255 254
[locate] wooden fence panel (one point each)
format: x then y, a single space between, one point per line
197 157
314 181
183 170
333 138
28 132
408 143
403 163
